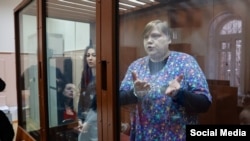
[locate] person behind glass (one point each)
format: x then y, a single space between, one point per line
169 88
88 76
88 128
66 107
6 129
244 116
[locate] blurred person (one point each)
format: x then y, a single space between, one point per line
6 129
66 104
244 116
88 76
88 128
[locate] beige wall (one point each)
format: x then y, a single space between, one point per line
7 52
8 74
7 39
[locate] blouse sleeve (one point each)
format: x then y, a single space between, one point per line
193 103
126 93
195 97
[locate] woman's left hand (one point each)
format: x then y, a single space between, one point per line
174 86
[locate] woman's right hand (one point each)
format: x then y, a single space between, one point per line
83 127
141 87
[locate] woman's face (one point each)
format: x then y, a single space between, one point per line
156 45
69 90
91 58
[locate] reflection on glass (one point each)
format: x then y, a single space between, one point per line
70 29
209 31
29 69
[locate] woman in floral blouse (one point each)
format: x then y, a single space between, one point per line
169 88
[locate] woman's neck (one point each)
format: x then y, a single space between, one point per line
159 59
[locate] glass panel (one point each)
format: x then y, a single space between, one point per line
29 69
71 61
147 112
225 61
225 46
204 29
225 69
232 27
237 62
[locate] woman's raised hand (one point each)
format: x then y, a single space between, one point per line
174 86
141 87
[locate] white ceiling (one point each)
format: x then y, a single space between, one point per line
85 10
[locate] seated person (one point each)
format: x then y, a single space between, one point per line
66 104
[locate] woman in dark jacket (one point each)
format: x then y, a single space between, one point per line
88 76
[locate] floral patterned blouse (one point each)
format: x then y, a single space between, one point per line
157 117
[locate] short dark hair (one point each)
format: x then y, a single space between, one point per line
2 85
